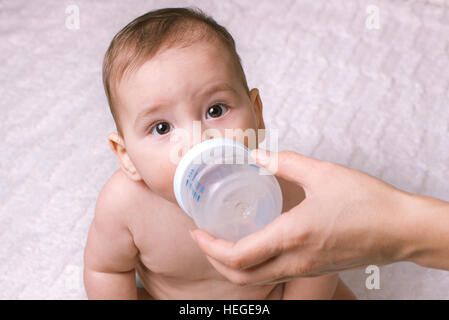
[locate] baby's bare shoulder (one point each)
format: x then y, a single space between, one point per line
117 198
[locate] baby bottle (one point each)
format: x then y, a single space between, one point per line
218 186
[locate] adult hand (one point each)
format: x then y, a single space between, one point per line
348 219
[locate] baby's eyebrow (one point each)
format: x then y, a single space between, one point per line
145 113
222 86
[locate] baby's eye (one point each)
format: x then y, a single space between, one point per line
160 129
217 110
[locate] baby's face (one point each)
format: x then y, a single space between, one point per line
171 91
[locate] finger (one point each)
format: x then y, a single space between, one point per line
243 277
275 270
249 251
212 246
289 165
277 281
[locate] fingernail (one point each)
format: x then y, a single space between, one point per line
192 235
253 153
261 156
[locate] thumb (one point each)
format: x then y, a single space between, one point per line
289 165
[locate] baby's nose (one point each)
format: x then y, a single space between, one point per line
185 138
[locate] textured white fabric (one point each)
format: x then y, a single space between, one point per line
370 99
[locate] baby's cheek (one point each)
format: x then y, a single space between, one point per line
160 179
248 120
248 125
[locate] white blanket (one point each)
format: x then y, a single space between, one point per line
338 84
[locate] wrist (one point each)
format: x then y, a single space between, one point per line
396 228
411 238
426 222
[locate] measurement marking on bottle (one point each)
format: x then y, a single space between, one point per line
195 186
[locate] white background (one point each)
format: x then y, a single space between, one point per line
374 100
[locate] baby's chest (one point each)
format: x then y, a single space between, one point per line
166 247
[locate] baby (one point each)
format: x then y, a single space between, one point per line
164 71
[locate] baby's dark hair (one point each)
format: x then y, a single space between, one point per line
153 32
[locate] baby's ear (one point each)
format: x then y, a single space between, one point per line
257 105
118 147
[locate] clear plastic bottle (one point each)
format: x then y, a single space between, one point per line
218 186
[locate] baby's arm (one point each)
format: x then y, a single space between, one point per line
316 288
110 255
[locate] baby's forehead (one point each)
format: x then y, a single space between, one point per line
178 74
197 52
173 66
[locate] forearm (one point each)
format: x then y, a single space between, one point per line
117 286
428 224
